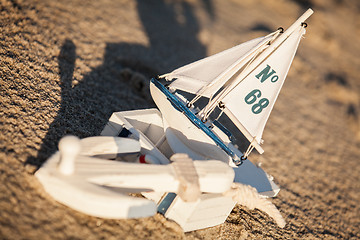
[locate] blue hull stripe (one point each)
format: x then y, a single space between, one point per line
191 116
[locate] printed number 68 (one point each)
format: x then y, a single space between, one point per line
252 97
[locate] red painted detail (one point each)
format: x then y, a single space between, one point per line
142 159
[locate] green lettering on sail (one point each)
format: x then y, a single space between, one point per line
252 97
258 107
264 74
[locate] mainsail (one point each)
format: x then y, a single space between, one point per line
208 74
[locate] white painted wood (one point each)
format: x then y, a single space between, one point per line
81 195
70 148
210 210
247 173
180 127
79 191
189 186
179 146
142 119
94 183
214 176
110 147
98 187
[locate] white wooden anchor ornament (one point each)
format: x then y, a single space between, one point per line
99 186
196 174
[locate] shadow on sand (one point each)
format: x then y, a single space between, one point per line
120 83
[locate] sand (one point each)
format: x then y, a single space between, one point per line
67 65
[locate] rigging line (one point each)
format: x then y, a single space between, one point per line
274 35
269 48
197 97
213 106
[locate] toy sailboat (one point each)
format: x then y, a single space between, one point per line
181 141
243 82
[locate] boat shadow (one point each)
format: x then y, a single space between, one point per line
121 82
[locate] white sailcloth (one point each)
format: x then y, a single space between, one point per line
206 76
249 104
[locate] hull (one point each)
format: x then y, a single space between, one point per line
184 136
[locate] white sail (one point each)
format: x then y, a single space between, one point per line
249 104
206 76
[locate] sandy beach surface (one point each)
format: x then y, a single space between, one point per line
66 66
